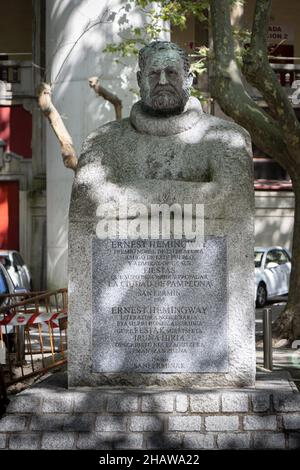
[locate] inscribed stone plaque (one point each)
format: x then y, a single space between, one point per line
159 306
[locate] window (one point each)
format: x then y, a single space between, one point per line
18 261
258 258
277 256
19 257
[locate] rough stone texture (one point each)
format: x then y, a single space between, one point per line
2 440
95 441
185 423
235 402
146 423
52 422
79 423
286 402
239 440
30 441
13 423
134 426
260 422
58 440
163 403
205 403
89 402
58 404
122 403
129 441
222 423
291 421
198 441
208 162
111 423
164 441
25 404
294 441
182 403
260 402
264 440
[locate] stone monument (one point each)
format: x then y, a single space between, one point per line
146 309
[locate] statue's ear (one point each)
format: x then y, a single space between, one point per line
139 77
190 79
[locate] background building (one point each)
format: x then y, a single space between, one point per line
22 156
63 40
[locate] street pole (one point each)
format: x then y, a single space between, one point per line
267 330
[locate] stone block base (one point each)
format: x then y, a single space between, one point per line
50 416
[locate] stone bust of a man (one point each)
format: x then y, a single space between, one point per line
167 152
167 137
164 78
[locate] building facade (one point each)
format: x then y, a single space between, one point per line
22 157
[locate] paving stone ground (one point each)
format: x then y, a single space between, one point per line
49 416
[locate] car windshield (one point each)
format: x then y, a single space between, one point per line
258 258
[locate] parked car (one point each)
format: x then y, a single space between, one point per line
6 283
17 269
7 286
272 273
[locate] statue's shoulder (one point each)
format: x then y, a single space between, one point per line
226 135
103 136
223 126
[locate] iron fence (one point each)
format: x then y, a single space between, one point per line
33 332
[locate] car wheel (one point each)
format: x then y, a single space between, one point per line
261 296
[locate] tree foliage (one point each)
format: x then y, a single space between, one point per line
158 18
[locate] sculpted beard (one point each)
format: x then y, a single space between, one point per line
164 99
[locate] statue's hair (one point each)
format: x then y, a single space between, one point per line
155 46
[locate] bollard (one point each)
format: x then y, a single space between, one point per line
267 330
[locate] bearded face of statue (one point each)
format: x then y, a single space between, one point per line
164 84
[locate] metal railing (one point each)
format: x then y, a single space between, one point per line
33 328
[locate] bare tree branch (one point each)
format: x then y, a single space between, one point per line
67 148
106 17
94 83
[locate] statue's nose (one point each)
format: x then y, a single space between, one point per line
163 78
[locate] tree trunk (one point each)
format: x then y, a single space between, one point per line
277 133
287 324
